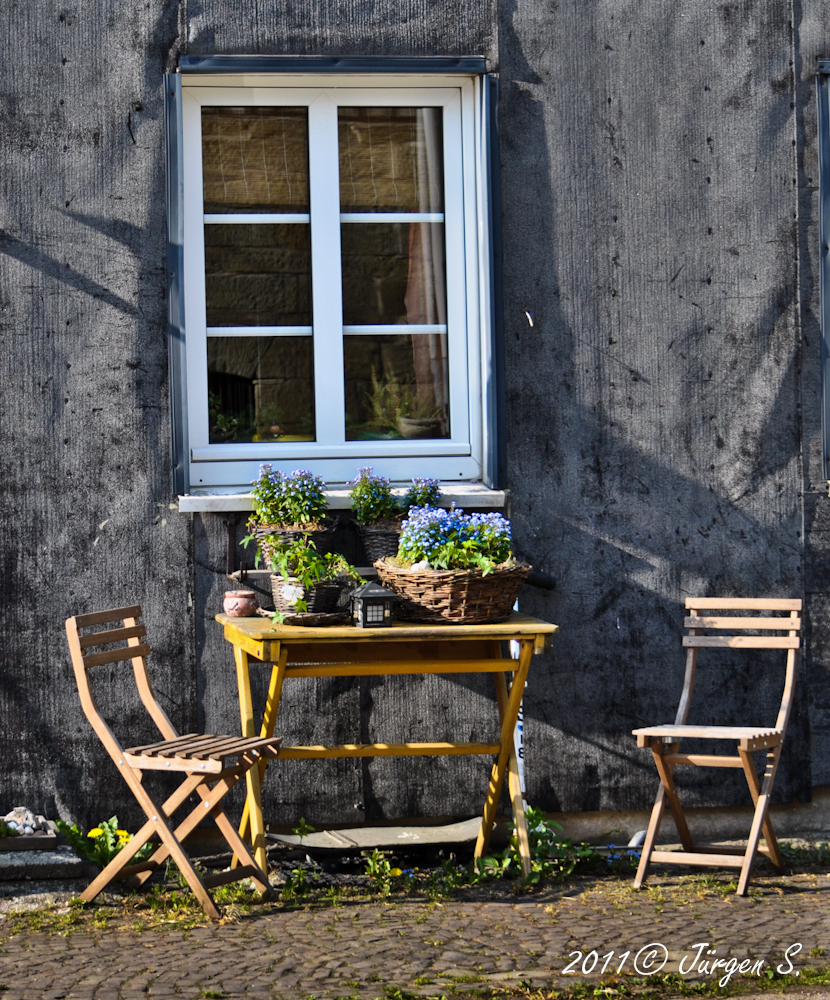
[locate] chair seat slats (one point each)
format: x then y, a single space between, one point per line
112 635
742 604
741 641
205 749
215 748
149 746
708 732
192 746
728 624
116 655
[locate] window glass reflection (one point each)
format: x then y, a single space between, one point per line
391 160
260 389
393 272
258 275
396 386
255 159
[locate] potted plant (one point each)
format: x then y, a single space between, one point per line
288 507
453 567
397 408
377 513
305 580
422 493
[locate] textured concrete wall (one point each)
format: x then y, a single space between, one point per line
85 456
812 27
660 226
653 239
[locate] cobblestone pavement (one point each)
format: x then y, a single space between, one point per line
367 949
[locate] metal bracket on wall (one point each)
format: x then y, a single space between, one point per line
243 573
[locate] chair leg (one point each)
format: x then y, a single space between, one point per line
758 820
755 790
651 835
667 779
125 855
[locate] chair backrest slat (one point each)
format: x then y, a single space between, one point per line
729 624
129 633
111 635
113 615
743 604
116 655
741 641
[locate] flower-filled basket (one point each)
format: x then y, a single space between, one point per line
288 508
453 567
378 512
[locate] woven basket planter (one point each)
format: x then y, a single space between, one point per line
379 542
323 538
322 598
463 597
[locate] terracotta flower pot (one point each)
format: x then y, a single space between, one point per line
240 603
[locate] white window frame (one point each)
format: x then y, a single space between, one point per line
230 467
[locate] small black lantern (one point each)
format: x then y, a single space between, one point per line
371 606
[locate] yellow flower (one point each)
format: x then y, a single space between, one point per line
124 834
396 872
95 833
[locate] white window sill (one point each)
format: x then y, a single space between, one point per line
467 495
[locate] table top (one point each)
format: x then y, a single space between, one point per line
258 629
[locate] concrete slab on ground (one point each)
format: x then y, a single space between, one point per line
360 838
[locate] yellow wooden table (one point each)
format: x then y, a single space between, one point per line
346 651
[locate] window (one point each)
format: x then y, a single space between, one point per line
332 294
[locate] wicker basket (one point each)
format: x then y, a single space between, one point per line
323 538
463 597
322 598
379 542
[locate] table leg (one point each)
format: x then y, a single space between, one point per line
246 710
269 718
509 711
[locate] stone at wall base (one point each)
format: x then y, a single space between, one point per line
60 863
32 842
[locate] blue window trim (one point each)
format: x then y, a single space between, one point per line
174 197
465 65
494 472
823 94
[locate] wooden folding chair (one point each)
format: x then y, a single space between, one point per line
664 741
204 760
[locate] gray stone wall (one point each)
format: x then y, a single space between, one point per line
660 226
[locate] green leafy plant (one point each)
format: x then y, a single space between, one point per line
7 831
451 539
227 426
102 843
391 401
296 500
372 498
552 855
302 829
422 493
300 563
379 869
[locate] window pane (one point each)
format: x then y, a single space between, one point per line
258 275
391 160
260 389
255 159
393 273
396 386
